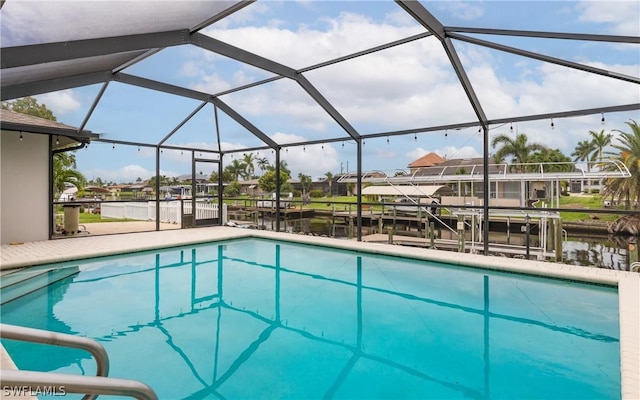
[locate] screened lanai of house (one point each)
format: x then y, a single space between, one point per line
109 47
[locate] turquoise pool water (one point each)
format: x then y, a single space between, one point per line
257 319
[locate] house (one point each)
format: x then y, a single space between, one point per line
428 160
465 176
27 144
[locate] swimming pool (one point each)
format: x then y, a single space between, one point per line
256 318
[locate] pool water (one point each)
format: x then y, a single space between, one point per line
254 318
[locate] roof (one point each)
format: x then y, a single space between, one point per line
459 166
96 189
428 160
407 190
67 134
103 43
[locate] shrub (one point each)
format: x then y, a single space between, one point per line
232 190
316 193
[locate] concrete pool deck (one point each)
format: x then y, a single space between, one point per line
628 283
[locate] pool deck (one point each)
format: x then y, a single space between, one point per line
628 283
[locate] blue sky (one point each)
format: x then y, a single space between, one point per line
406 87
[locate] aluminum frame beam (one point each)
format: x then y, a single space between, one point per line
20 56
246 124
327 106
238 54
540 57
52 85
160 86
545 35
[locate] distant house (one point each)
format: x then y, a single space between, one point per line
428 160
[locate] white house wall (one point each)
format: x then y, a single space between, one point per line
24 187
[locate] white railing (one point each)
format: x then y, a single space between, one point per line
169 211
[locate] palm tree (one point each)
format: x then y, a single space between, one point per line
305 182
600 140
329 176
64 171
283 167
519 149
263 164
236 168
628 147
249 169
584 152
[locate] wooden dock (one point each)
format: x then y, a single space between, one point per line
452 244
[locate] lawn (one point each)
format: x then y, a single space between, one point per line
589 203
87 218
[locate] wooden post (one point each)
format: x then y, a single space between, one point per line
380 224
432 236
350 226
394 218
508 230
558 239
420 222
461 239
633 252
390 233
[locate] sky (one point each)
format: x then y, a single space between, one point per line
406 87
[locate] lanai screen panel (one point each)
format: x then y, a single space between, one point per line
59 21
60 69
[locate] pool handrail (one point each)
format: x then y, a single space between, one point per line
82 382
92 386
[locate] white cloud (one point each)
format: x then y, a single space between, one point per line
127 173
621 16
465 10
314 160
384 153
416 153
450 152
61 102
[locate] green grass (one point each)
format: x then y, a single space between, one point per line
87 218
587 202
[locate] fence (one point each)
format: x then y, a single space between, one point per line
169 211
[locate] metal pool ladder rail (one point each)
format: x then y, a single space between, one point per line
91 386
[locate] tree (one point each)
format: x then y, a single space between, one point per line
236 169
600 140
283 167
30 106
519 149
553 160
628 146
584 152
64 163
263 164
249 169
305 182
329 176
267 182
164 181
64 171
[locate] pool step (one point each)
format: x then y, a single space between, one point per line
20 283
